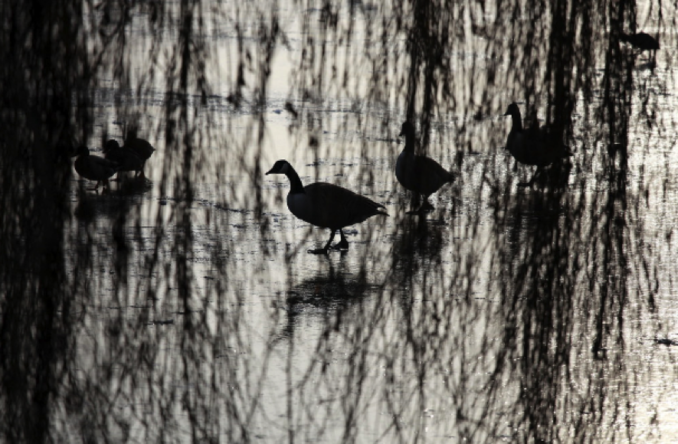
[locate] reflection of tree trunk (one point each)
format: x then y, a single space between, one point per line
34 176
618 90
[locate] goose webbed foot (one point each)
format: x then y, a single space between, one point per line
327 246
426 206
342 244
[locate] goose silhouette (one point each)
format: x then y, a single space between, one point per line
419 174
326 205
141 148
133 145
94 167
126 158
534 146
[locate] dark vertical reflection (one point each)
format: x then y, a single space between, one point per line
184 308
39 42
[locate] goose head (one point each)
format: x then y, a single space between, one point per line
407 129
513 110
280 167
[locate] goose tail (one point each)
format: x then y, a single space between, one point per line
381 210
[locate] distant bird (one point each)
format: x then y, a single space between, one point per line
419 174
326 206
94 167
642 41
142 148
126 158
533 146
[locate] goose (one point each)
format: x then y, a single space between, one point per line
94 167
142 148
532 146
126 158
419 174
326 206
641 40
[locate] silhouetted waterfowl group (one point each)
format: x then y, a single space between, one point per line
330 206
130 157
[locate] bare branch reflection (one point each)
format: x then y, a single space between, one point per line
180 304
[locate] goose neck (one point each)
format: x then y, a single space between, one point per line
517 120
409 143
295 182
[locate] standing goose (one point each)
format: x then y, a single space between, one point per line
326 206
419 174
142 148
126 159
94 167
534 145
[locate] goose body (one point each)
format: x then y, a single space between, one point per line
326 205
94 167
141 147
419 174
533 146
127 159
133 146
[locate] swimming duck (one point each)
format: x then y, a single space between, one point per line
419 174
94 167
534 145
326 205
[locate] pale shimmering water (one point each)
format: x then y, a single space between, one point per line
191 310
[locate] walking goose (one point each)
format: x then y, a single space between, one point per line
126 158
419 174
94 167
534 145
326 206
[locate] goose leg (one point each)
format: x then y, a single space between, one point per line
343 244
326 247
425 207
